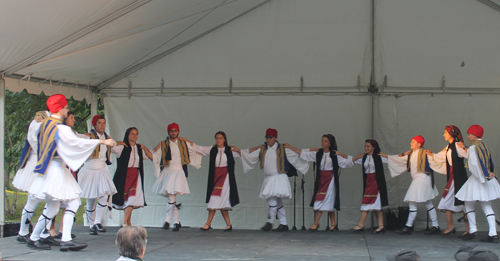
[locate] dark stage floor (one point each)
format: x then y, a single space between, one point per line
193 244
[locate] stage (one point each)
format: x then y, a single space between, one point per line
194 244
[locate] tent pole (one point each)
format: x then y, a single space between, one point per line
94 105
2 154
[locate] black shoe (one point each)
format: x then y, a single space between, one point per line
177 227
229 229
453 231
59 236
72 245
100 228
357 230
470 236
166 226
314 229
405 231
205 229
49 241
37 245
23 239
267 227
335 228
491 239
379 231
433 231
93 231
281 228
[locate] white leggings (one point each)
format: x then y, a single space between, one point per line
488 211
50 211
95 213
413 213
276 206
172 210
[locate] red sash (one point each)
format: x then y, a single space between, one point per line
371 189
325 178
448 184
220 177
130 183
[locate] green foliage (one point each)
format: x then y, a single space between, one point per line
20 108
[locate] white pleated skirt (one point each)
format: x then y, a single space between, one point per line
95 183
276 185
25 177
58 184
328 203
420 189
222 201
377 205
473 190
172 181
448 203
136 201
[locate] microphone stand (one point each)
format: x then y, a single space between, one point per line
294 201
303 200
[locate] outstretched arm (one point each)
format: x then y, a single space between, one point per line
255 148
286 145
146 151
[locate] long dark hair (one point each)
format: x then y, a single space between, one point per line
333 143
375 145
127 133
223 135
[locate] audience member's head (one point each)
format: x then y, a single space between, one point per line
471 252
131 241
404 255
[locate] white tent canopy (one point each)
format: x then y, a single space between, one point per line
387 69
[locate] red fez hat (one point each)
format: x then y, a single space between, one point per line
173 126
419 139
272 132
476 130
56 102
96 117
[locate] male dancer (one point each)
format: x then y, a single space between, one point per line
481 186
24 176
170 159
422 188
58 147
94 178
277 164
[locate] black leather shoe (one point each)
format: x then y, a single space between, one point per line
49 241
72 245
405 231
100 228
268 226
59 236
491 239
470 236
166 226
357 230
205 229
229 229
314 229
93 231
23 239
335 228
37 245
177 227
433 231
379 231
281 228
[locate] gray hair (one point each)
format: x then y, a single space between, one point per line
130 240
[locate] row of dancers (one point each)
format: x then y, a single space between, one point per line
57 185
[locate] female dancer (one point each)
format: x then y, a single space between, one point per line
456 175
374 186
129 175
326 187
222 193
